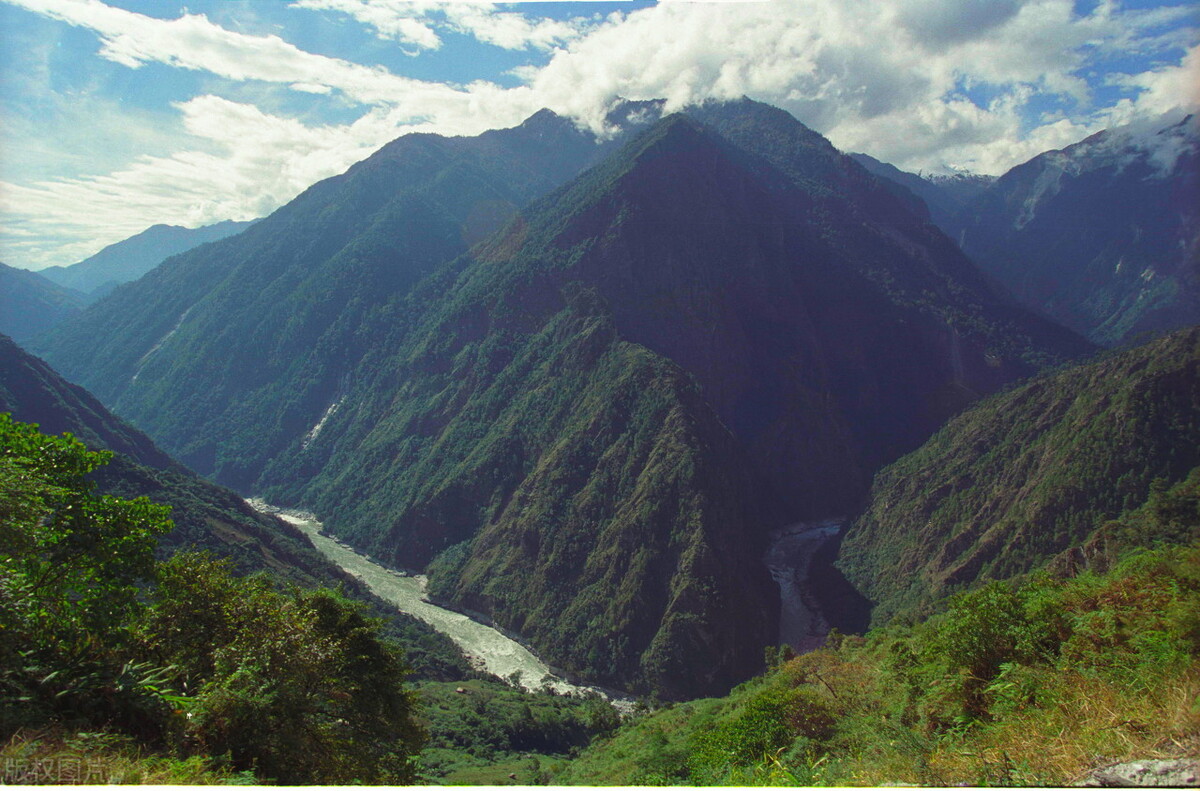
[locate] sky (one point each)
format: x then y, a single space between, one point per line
119 114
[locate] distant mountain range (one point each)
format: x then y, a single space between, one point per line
131 258
580 397
1102 236
943 195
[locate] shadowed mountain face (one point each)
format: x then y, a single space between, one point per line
1027 474
586 425
31 304
1103 236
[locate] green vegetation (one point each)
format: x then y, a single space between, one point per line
295 686
298 685
481 732
1027 474
1030 683
48 756
207 517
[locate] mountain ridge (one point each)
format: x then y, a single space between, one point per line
1103 235
31 304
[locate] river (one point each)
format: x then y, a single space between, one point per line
487 648
789 558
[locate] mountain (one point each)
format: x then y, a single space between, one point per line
944 195
1027 474
1102 236
30 304
584 425
133 257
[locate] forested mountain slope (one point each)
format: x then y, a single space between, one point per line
205 515
1027 474
228 351
516 416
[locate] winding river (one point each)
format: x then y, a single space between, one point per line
487 648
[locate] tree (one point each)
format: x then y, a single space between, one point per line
299 686
70 565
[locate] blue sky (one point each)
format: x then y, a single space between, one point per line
119 114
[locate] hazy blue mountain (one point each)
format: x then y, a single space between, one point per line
1103 236
131 258
31 304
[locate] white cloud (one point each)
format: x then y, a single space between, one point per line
244 164
391 20
893 80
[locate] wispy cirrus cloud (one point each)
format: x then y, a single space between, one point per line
193 42
414 23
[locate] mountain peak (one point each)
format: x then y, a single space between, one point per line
545 120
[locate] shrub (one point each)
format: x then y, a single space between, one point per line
297 686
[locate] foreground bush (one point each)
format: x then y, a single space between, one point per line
185 658
298 686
